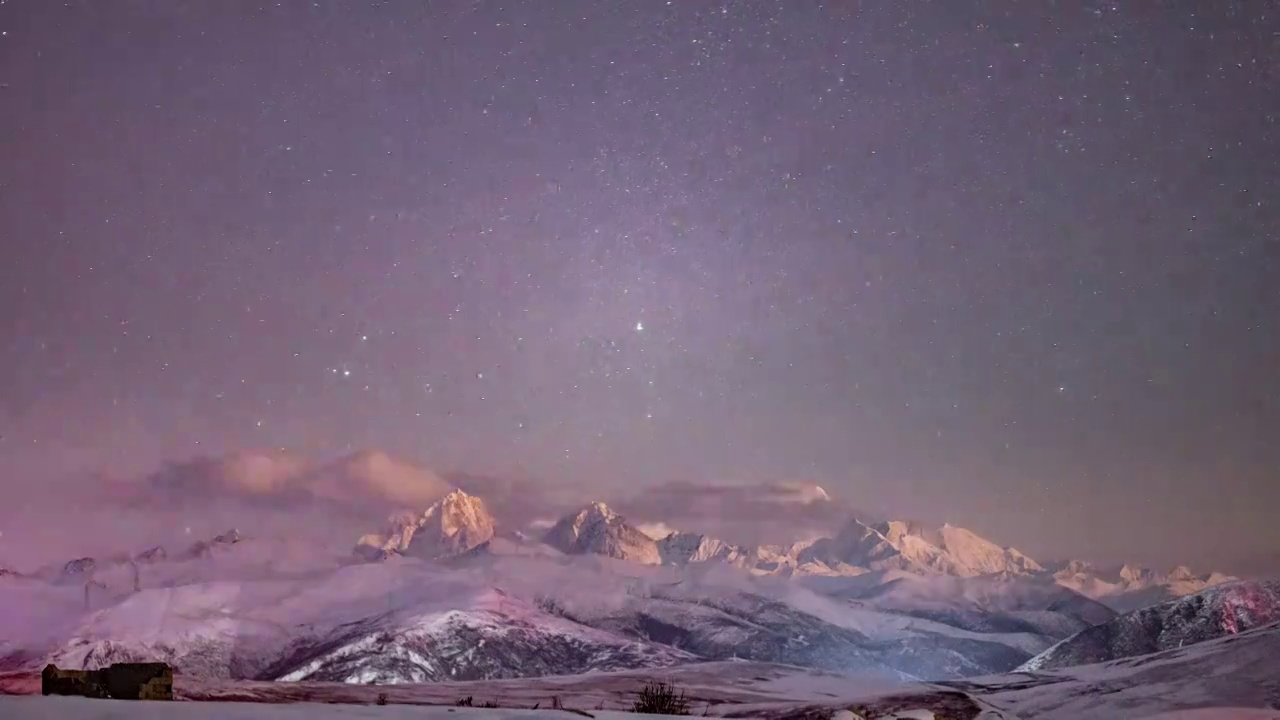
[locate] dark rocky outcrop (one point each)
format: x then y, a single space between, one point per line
1219 611
121 681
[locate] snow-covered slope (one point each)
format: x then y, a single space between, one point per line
1228 678
986 604
1231 677
1221 610
402 620
230 616
1236 671
71 708
597 530
495 637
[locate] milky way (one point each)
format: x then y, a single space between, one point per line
1012 265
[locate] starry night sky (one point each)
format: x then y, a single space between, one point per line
1011 265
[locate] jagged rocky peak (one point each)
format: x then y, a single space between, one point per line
1075 567
683 548
595 529
1136 574
456 523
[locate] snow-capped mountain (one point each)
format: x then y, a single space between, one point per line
1130 587
597 530
1222 610
496 637
455 524
898 545
683 548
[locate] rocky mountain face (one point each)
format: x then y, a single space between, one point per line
597 530
456 524
1219 611
684 548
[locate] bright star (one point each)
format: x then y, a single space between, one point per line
639 327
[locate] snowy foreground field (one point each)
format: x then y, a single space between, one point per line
1232 677
39 708
81 709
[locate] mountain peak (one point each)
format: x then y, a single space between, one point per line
454 524
598 509
915 547
595 529
1134 573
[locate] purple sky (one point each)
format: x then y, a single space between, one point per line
1009 265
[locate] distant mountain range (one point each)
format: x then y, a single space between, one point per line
461 523
451 590
799 526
